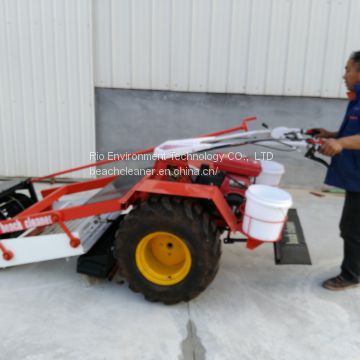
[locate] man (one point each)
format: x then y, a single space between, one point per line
344 172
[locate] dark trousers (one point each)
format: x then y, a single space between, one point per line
350 232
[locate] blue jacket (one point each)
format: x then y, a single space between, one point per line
344 170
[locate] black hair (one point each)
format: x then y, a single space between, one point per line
355 57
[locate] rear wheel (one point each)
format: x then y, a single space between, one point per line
168 249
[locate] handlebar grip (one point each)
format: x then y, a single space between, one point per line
312 132
315 141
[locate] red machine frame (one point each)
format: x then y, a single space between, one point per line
40 214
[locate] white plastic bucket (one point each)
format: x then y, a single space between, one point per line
271 173
265 212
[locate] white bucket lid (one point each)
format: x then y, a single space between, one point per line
272 167
269 196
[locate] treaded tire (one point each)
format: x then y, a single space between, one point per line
188 220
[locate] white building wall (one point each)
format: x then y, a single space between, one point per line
271 47
46 88
53 53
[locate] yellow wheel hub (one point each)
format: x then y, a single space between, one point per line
163 258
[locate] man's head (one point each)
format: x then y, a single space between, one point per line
352 71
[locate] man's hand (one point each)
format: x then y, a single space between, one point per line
331 147
323 133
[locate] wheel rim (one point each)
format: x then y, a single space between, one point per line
163 258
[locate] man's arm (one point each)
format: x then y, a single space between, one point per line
350 142
333 147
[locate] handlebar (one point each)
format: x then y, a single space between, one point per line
312 132
294 138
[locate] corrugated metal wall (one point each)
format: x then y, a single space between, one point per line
46 88
274 47
50 50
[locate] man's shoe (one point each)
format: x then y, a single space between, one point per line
339 283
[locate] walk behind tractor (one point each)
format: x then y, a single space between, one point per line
162 232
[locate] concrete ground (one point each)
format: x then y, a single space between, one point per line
252 310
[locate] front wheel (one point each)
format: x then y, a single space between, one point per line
168 249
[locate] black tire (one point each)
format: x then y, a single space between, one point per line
184 218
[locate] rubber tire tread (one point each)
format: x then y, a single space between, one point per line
185 218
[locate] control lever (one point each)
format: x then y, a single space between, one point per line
310 154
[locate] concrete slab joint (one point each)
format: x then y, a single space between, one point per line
191 346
